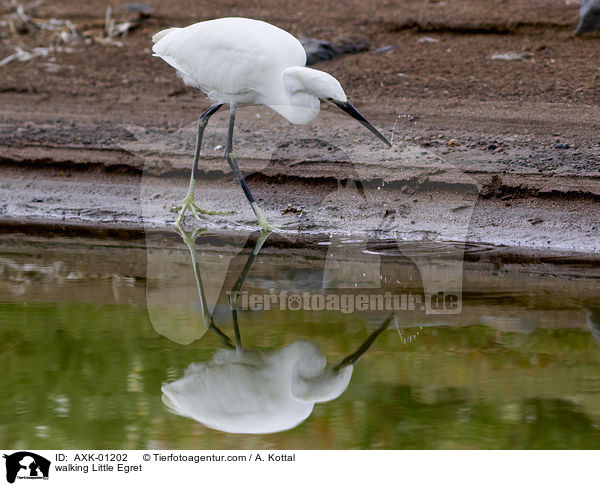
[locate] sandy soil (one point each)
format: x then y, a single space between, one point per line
515 140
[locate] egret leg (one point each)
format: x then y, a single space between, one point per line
188 201
237 287
353 357
190 240
262 221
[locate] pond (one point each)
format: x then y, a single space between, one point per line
176 340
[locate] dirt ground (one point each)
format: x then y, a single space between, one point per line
525 132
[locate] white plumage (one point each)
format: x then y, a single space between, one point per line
209 56
256 392
244 61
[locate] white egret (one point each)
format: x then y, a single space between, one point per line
254 391
244 61
249 391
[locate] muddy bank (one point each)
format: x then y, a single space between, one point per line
491 150
435 211
328 177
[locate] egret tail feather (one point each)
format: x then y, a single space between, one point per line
159 35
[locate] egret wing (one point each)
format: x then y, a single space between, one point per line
231 59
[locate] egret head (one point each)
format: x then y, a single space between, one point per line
302 81
313 82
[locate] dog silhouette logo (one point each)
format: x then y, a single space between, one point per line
25 464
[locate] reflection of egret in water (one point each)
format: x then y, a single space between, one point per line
189 238
253 391
258 392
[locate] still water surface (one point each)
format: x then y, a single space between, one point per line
108 343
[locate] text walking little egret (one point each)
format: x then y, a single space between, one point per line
243 61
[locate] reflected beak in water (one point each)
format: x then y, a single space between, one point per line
354 113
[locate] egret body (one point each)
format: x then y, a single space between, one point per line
243 61
256 392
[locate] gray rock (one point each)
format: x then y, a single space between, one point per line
589 16
321 50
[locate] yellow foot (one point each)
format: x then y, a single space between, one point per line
262 221
189 237
267 227
189 204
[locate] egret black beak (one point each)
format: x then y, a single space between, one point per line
354 113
